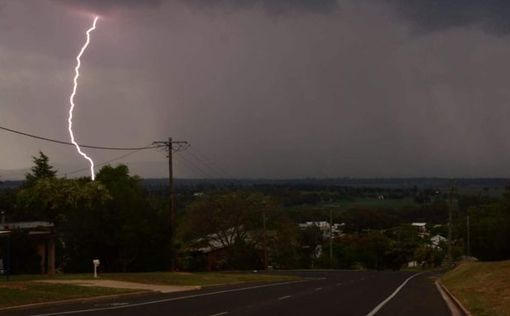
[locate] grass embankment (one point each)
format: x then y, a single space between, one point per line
13 293
202 279
482 287
23 290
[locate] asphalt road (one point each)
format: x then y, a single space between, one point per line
321 293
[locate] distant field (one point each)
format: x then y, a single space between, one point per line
386 203
482 287
373 203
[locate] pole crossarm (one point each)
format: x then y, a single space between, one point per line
176 146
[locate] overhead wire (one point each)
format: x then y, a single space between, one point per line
207 164
105 162
82 145
192 165
198 158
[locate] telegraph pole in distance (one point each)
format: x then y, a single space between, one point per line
331 238
468 227
171 147
264 219
451 193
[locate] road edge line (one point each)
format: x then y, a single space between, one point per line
87 310
452 301
76 300
392 295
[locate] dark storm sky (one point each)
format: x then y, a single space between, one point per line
267 88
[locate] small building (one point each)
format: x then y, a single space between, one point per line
325 227
436 241
42 233
421 227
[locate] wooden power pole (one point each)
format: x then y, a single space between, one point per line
171 147
451 205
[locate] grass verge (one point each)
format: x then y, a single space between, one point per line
13 293
482 287
202 279
22 290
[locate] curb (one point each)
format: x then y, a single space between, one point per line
75 300
453 303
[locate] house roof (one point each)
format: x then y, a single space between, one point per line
26 225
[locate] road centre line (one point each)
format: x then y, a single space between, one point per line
223 313
378 307
172 299
284 297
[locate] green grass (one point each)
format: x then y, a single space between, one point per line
203 279
172 278
482 287
23 290
13 293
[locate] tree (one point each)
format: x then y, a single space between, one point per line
41 169
221 220
53 199
233 222
310 241
124 232
490 232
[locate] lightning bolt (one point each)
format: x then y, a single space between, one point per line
73 94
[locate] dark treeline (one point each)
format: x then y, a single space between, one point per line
124 221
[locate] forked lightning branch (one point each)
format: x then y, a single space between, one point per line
73 94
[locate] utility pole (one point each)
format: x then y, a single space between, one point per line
331 238
468 232
171 147
451 193
264 238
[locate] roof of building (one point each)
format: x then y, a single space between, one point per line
26 225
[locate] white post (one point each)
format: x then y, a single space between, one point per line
96 263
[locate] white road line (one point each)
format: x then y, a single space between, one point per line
318 289
223 313
338 284
284 297
170 299
378 307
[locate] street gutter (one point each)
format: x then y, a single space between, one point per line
455 306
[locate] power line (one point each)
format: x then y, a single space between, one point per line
105 162
208 164
85 146
193 167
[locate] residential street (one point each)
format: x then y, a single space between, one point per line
321 293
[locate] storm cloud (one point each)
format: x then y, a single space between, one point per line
272 6
105 6
435 15
347 88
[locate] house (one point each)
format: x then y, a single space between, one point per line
325 227
437 240
44 236
214 248
421 227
